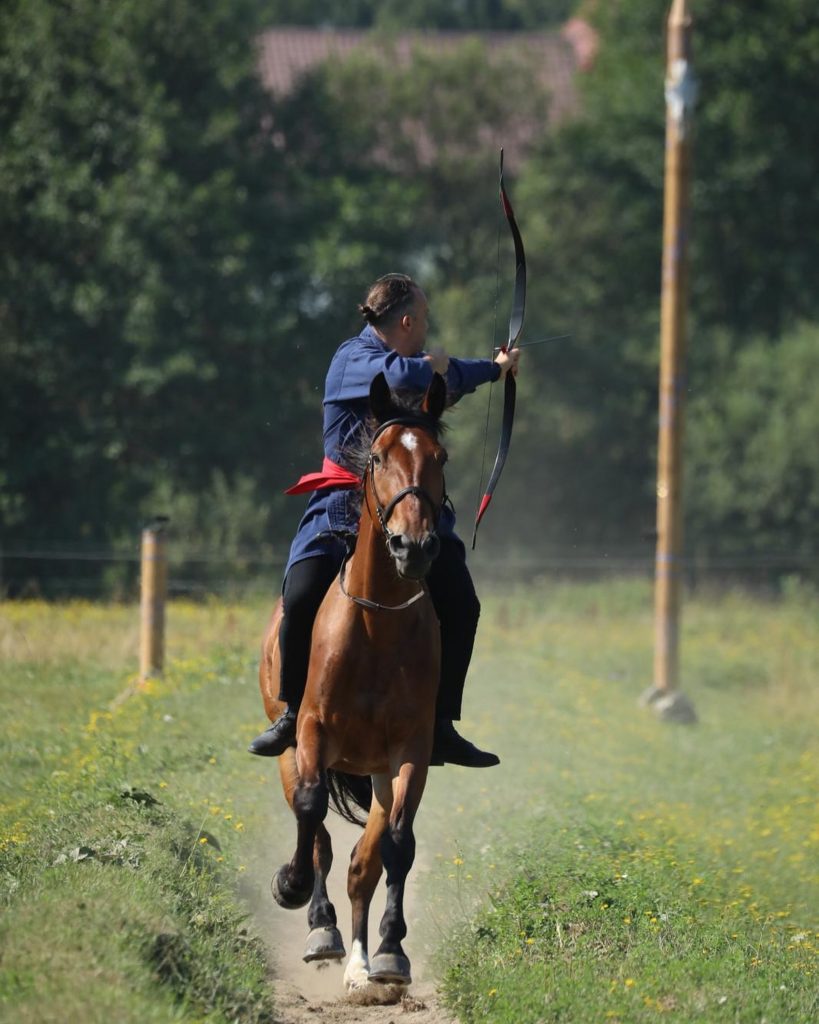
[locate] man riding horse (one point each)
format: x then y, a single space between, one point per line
391 342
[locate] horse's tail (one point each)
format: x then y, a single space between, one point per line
349 794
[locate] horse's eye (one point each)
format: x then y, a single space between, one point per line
376 459
442 457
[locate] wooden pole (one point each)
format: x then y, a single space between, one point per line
153 592
680 92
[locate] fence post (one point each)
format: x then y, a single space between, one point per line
153 591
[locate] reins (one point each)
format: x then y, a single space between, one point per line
374 605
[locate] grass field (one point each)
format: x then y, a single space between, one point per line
612 869
122 823
663 871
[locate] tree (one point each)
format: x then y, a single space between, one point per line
754 461
597 184
471 15
142 299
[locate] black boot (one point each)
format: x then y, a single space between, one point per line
277 737
451 748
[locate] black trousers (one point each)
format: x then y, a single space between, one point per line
453 596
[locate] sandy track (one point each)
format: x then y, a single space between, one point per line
293 1006
314 992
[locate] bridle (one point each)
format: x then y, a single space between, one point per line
384 512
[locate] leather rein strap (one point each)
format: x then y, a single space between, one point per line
374 605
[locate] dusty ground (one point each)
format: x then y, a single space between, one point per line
419 1006
314 992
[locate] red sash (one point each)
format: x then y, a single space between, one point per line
331 475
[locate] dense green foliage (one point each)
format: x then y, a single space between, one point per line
598 186
188 252
498 15
754 456
136 299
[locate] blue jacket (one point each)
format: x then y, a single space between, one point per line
333 514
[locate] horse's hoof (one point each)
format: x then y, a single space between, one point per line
290 899
324 944
390 969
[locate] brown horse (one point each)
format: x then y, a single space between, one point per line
365 725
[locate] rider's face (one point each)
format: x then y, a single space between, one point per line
417 324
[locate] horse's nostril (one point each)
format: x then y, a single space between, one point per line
397 543
431 545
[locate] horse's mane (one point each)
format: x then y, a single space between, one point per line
406 405
356 452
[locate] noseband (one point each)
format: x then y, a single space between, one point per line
384 514
385 511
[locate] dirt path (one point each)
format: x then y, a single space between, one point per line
463 827
314 992
420 1006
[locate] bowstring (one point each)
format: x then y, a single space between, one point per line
491 356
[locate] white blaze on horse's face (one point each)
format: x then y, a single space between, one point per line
409 441
408 485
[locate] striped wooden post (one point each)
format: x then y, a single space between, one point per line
680 93
153 592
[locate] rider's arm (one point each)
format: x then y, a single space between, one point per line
356 365
463 376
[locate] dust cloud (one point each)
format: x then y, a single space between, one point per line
310 992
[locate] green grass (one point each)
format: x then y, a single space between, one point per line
663 871
614 868
122 821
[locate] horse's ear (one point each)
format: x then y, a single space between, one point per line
381 398
435 399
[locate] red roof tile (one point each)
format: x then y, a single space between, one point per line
286 53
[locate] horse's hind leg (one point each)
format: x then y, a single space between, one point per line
390 963
362 878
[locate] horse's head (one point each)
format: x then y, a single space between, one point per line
405 476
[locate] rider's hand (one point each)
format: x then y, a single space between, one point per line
439 361
508 361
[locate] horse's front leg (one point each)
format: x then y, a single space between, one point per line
324 941
390 963
293 884
362 878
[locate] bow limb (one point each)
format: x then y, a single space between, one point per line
515 328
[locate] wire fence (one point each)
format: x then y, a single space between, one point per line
101 572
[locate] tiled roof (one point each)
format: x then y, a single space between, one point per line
286 53
584 41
